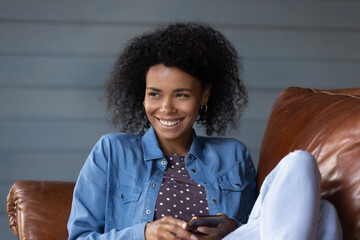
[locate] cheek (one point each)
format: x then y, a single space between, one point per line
149 108
192 109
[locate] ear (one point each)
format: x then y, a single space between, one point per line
206 94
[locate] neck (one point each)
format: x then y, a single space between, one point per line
169 151
175 147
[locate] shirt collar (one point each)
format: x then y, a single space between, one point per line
152 150
196 149
150 145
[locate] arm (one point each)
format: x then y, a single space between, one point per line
250 192
87 217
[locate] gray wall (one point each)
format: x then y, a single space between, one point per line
56 55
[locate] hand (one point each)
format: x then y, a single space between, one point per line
225 227
167 228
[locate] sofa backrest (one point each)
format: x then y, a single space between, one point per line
325 123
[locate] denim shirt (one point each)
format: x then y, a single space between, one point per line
116 191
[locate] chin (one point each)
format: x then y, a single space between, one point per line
169 134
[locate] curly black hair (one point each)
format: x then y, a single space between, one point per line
196 49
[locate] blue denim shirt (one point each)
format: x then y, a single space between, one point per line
116 191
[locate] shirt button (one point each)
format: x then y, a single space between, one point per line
213 201
193 170
148 211
154 185
162 162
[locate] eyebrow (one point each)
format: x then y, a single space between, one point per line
154 89
176 90
183 90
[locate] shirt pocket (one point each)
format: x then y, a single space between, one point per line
233 180
125 194
231 186
122 204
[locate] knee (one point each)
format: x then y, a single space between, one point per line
301 163
299 158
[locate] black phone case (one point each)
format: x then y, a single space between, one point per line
208 221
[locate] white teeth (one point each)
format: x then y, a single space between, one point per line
169 123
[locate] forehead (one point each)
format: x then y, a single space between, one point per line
161 75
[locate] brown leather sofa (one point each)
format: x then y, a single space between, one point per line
325 123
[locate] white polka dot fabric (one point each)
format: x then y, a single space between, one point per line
179 195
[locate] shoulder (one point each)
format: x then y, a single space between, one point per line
222 144
124 138
224 148
113 148
119 141
228 155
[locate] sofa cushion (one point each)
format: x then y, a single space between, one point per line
325 123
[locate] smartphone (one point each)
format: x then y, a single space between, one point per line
208 221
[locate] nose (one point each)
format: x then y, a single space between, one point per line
167 106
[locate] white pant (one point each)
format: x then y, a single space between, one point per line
289 205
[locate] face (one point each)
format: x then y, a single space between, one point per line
172 102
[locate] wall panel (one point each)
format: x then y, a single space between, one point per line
59 103
50 71
85 40
92 72
296 14
21 135
55 164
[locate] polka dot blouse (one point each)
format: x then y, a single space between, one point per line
179 195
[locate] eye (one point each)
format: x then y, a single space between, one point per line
181 95
153 94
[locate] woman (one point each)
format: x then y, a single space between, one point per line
148 186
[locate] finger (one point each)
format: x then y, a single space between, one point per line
214 230
171 236
181 233
208 230
175 221
224 228
194 237
165 229
203 237
175 226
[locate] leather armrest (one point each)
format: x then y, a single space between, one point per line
39 209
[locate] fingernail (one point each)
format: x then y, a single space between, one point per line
200 229
193 237
184 225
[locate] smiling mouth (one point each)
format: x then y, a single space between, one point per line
169 123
